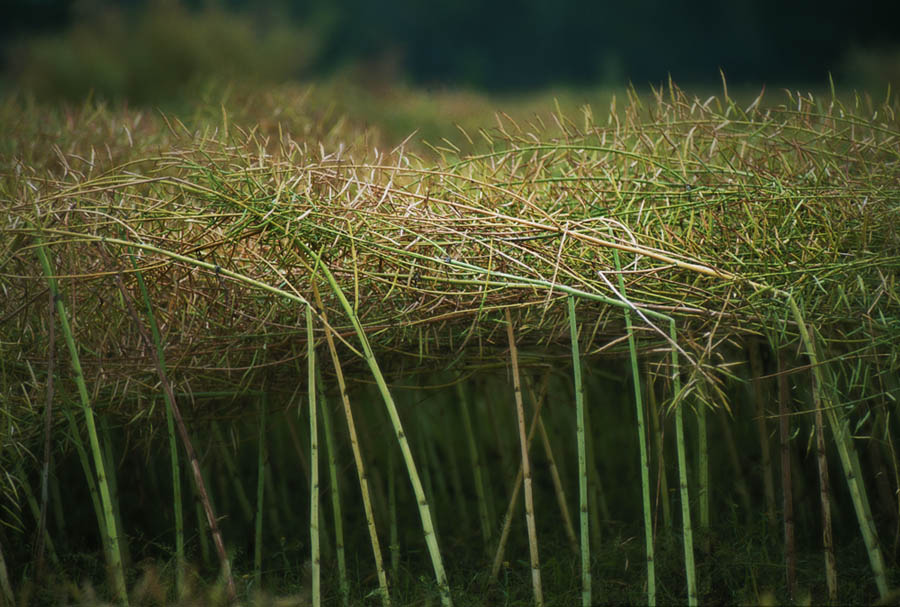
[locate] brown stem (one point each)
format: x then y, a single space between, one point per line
787 487
189 449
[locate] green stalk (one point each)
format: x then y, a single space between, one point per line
335 492
360 465
110 464
260 493
847 452
119 588
689 568
313 460
424 510
642 445
582 459
177 506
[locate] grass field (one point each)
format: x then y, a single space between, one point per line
291 345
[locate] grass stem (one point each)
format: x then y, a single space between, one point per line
586 595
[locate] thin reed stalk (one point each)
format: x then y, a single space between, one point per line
424 510
662 477
313 460
177 502
199 484
642 445
513 499
335 490
586 593
425 464
787 486
687 530
110 464
526 466
847 453
357 457
120 591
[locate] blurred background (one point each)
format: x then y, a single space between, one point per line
150 51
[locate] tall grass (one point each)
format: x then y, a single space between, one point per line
738 222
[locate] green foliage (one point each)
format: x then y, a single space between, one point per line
160 54
872 69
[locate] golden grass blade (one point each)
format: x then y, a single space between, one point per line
526 466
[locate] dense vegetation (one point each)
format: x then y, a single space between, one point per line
726 270
363 342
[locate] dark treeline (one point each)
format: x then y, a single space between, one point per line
503 44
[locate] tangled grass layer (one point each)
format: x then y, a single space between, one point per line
710 212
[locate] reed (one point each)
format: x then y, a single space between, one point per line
360 468
526 465
642 441
313 461
742 224
177 505
111 536
585 544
